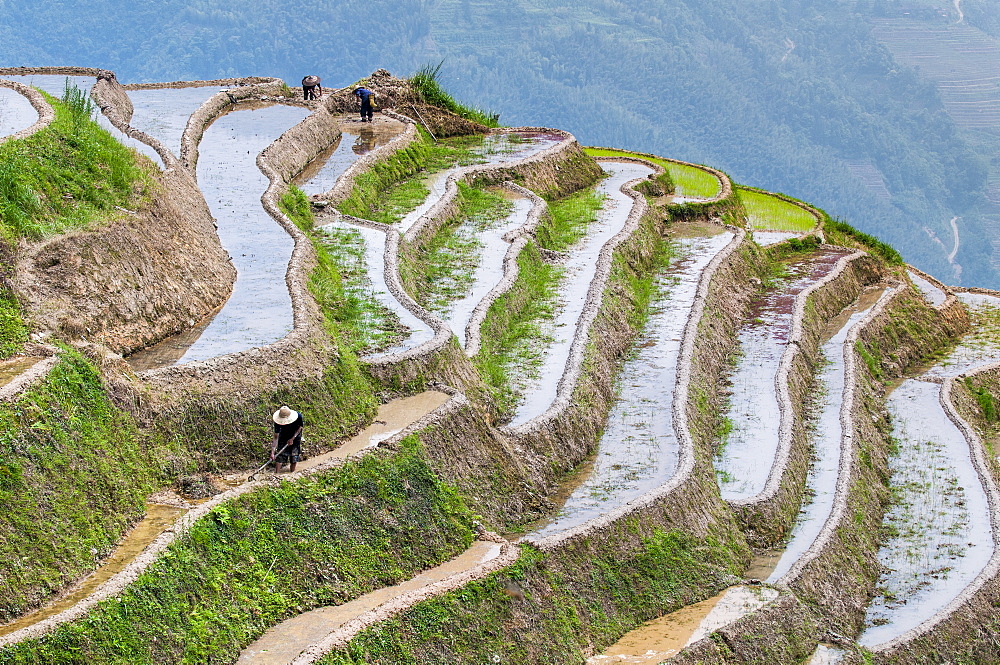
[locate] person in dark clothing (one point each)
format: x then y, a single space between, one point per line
311 88
286 448
365 95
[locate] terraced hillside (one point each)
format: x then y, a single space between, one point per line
561 404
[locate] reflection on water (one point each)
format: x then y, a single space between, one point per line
747 455
164 113
941 536
827 436
638 449
578 273
16 112
357 139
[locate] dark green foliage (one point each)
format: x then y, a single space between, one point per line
64 176
73 477
13 331
987 403
267 556
839 228
567 607
426 83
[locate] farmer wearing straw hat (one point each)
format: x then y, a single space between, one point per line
287 444
310 87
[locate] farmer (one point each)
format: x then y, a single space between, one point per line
365 95
287 444
311 89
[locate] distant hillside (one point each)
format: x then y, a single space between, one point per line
793 96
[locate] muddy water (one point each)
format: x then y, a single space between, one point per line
638 450
661 638
282 643
259 311
170 350
827 654
579 268
496 149
765 238
931 293
748 453
375 241
163 114
827 438
489 270
16 112
11 369
158 518
942 537
357 139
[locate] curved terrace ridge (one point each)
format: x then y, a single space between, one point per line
46 114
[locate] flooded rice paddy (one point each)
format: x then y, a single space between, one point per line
748 453
259 311
765 238
164 113
489 267
638 450
16 112
415 330
356 140
579 268
282 643
934 295
940 532
496 149
827 437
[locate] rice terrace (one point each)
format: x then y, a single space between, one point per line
561 403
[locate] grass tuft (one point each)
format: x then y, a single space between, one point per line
430 90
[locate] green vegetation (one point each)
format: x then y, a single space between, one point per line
394 186
426 83
985 399
65 176
13 331
73 478
689 181
445 269
352 313
513 333
770 213
569 605
268 555
840 232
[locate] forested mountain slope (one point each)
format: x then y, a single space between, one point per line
790 95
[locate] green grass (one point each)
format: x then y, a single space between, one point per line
513 333
340 284
269 555
689 181
66 176
426 83
769 213
394 186
445 270
13 330
564 612
73 477
839 232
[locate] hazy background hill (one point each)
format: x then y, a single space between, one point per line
791 95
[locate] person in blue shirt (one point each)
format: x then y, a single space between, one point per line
365 95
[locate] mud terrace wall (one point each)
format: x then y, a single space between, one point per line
768 515
46 114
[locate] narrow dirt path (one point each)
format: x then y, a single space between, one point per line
144 543
283 643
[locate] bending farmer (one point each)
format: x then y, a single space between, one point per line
365 95
287 444
311 89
